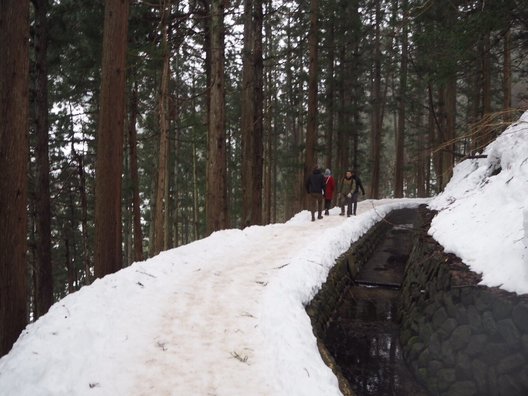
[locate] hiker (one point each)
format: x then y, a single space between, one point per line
355 195
329 190
348 187
315 187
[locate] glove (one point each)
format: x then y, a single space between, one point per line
349 195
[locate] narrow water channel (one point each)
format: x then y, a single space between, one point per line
363 336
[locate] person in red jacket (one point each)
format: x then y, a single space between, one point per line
329 190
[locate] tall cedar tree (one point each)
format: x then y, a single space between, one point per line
400 130
252 114
216 172
44 276
134 174
109 162
311 127
14 108
162 205
376 117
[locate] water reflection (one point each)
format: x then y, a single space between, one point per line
364 340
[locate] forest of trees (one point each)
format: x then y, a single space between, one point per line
131 127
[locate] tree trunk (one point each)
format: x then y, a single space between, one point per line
486 130
400 132
44 280
268 119
247 114
258 140
375 144
330 96
216 175
84 218
109 161
134 176
311 127
507 78
163 155
448 161
14 106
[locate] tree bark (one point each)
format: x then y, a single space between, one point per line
486 130
400 132
84 218
216 176
163 154
44 279
330 95
247 114
109 161
507 78
258 95
14 109
375 144
134 176
311 126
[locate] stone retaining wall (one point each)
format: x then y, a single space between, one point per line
460 338
339 279
341 275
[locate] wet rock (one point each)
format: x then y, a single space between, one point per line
480 375
524 343
481 302
509 332
463 367
520 316
467 297
523 377
509 386
510 363
477 343
435 347
447 328
502 308
430 310
460 337
494 352
415 350
488 323
450 306
434 365
474 320
462 315
463 388
427 331
493 381
439 317
448 356
424 358
446 377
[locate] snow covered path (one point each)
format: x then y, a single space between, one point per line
215 309
220 316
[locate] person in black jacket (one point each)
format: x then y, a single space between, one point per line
359 186
315 187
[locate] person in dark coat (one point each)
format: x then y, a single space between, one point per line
359 186
329 190
315 187
348 186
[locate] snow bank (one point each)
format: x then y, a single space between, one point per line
483 211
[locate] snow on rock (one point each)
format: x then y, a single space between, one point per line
483 211
220 316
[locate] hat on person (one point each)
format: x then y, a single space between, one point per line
327 172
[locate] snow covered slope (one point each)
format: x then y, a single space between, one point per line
483 215
220 316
